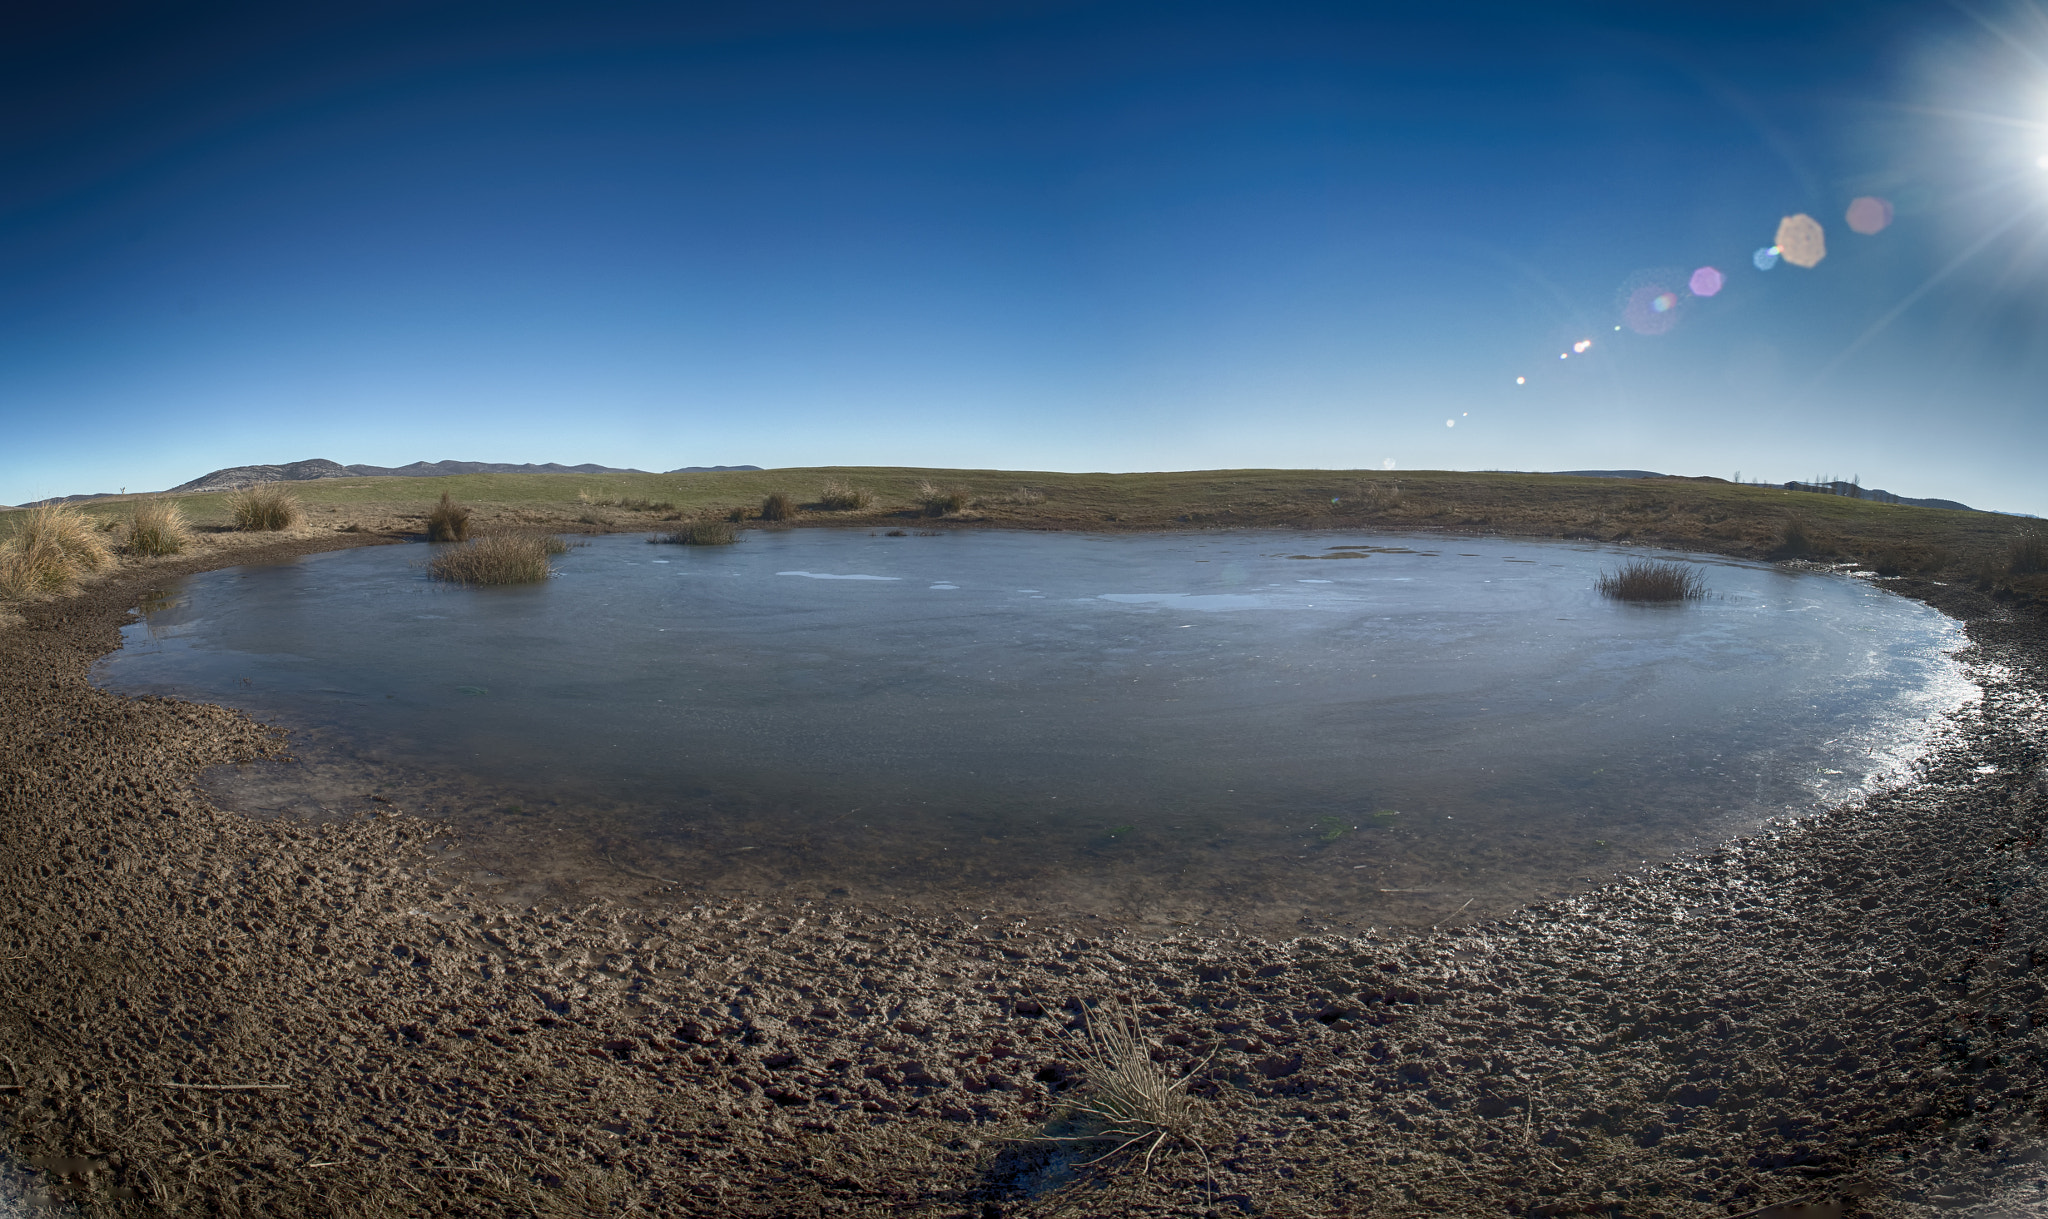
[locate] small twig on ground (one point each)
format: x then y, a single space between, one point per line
1455 913
644 875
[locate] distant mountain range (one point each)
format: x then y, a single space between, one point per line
234 478
1834 488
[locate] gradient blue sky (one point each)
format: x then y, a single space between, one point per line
1074 236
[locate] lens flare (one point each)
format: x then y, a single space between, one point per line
1450 423
1870 215
1705 282
1521 380
1801 240
1388 464
1649 300
1582 346
1765 258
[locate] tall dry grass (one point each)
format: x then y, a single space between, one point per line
701 533
845 497
265 508
1647 580
50 547
940 503
158 527
448 522
502 558
778 506
2027 552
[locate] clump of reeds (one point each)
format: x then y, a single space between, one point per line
265 508
502 558
448 522
778 506
50 547
1130 1100
940 503
1647 580
2027 552
845 497
1795 540
701 533
158 527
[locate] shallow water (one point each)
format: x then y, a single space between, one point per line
1268 728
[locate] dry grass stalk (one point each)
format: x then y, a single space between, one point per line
506 558
158 527
778 506
940 503
51 546
1131 1100
1646 580
265 508
845 497
448 522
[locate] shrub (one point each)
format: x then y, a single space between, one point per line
939 503
1644 580
1795 541
845 497
504 558
777 507
157 527
448 522
265 508
2027 552
702 533
736 515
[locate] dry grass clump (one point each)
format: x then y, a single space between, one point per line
2027 552
158 527
504 558
1795 540
778 507
1131 1100
50 547
845 497
701 533
1647 580
940 503
448 522
265 508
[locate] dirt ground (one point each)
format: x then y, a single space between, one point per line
203 1014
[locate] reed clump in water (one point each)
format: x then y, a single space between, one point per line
702 533
503 558
158 527
51 547
1647 580
265 508
448 522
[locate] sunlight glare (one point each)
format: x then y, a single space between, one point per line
1801 241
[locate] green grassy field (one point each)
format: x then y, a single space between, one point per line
1709 515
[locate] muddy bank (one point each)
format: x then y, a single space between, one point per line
204 1014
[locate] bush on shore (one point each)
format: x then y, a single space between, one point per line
50 547
2027 552
845 497
505 558
265 508
778 507
448 522
158 527
701 533
1645 580
940 503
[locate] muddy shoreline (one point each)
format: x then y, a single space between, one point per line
204 1014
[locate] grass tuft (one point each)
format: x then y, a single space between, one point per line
778 506
51 547
845 497
702 533
265 508
504 558
2027 552
448 522
940 503
1794 541
1645 580
158 527
1131 1101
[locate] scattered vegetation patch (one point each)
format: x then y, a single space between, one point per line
1794 540
158 527
778 506
940 503
265 508
1649 580
701 533
2027 552
448 522
505 558
50 547
845 497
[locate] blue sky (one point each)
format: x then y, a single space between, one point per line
1075 236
